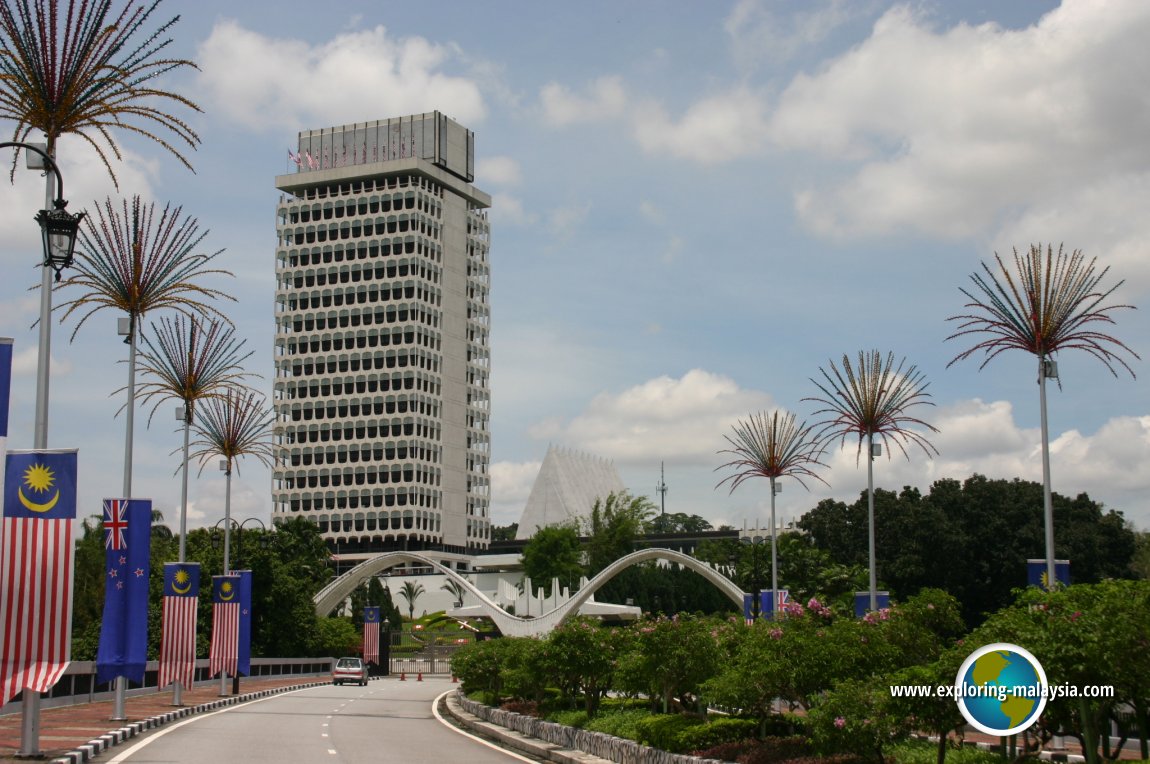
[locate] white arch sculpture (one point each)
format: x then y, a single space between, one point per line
510 625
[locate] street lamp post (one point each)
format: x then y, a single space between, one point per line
58 229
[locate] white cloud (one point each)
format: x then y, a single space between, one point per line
24 363
269 84
605 98
498 171
651 212
510 487
985 120
716 129
758 34
508 209
565 221
675 420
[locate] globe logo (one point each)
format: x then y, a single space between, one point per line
1001 689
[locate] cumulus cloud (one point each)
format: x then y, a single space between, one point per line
24 363
266 84
986 120
758 34
677 420
86 182
510 487
715 129
508 209
982 437
499 171
604 98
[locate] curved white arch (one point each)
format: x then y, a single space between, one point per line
510 625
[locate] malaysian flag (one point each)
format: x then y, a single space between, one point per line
371 635
178 638
123 649
36 556
225 625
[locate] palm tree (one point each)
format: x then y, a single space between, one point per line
872 400
88 72
772 447
410 592
232 427
189 363
1047 303
136 263
455 589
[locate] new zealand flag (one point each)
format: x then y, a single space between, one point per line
123 647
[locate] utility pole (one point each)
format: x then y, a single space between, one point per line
661 489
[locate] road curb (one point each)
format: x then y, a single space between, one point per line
111 739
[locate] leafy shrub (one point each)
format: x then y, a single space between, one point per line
715 732
620 724
524 707
577 718
663 730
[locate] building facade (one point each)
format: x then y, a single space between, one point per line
382 354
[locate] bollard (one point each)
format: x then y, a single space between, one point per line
403 676
419 677
454 679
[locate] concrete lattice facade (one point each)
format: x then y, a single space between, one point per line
381 347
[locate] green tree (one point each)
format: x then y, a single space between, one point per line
1045 304
553 553
677 522
582 657
869 401
504 532
613 526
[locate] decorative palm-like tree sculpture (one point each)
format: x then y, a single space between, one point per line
1046 303
237 425
772 447
78 68
134 262
187 362
871 400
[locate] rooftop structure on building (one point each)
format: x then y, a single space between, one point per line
382 359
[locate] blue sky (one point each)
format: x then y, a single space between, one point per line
697 206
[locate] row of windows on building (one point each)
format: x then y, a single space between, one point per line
345 364
329 298
371 205
369 185
373 429
354 274
368 454
363 478
358 230
362 295
357 385
339 253
414 498
363 341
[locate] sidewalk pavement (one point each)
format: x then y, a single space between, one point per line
76 733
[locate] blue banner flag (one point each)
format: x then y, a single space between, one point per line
182 579
1036 573
5 382
862 602
40 485
123 649
244 663
371 614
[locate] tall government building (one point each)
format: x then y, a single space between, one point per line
382 357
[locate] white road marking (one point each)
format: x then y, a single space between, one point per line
119 758
453 728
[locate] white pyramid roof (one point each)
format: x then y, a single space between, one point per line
566 488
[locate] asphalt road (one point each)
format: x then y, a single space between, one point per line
387 721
